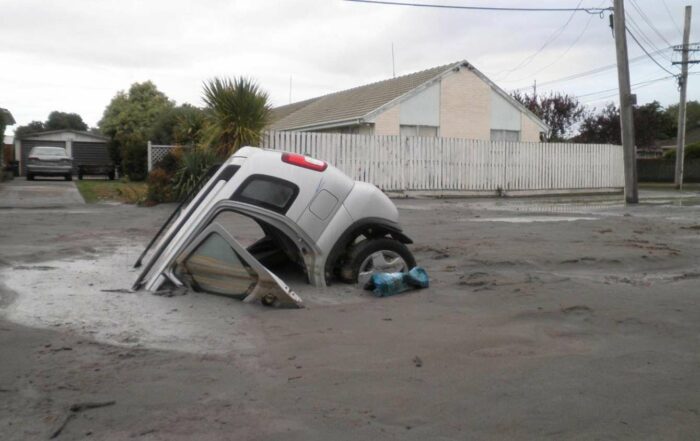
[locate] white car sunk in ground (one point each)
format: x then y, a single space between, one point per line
312 215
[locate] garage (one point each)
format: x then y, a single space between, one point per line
86 148
90 153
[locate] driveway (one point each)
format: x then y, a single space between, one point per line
46 193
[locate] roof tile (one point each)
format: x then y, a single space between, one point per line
351 103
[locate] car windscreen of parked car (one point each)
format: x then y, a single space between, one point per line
48 151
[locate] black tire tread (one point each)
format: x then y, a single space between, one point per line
360 251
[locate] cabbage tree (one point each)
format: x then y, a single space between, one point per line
237 112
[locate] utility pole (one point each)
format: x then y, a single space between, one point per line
626 103
683 83
534 89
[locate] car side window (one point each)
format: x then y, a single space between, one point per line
215 267
272 193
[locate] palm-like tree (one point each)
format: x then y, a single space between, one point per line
237 112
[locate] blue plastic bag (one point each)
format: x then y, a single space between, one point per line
388 284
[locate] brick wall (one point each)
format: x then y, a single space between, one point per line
465 106
465 111
387 123
530 131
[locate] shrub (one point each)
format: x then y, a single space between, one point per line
691 151
171 162
193 166
160 186
134 161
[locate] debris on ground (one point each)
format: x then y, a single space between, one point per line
388 284
73 412
417 361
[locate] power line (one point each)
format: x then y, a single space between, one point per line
588 72
644 37
678 28
641 13
527 60
576 40
640 84
635 86
647 52
483 8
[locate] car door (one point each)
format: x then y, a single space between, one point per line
216 263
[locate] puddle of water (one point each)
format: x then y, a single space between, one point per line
677 202
415 207
92 297
530 219
47 210
70 296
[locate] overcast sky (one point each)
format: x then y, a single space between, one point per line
74 55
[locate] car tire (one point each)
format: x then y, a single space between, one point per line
393 253
111 176
80 176
69 177
30 177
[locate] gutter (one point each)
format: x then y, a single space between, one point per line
325 125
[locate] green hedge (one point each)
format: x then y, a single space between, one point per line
691 151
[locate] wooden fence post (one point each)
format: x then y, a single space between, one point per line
150 156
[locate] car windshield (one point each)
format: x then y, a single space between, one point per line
48 151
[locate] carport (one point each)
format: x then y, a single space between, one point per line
85 147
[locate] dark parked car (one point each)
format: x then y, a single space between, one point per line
49 161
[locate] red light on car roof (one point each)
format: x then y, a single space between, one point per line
304 161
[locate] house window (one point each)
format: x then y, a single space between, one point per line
505 135
427 131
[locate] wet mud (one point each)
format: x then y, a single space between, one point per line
577 321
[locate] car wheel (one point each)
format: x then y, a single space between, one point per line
371 256
30 177
111 176
69 177
80 176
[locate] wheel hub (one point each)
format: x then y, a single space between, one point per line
383 261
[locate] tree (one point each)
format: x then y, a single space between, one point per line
651 122
692 114
32 127
561 112
128 121
601 127
237 112
63 120
56 121
180 125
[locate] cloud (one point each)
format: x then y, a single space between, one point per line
75 55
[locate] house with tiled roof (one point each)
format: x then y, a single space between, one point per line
452 101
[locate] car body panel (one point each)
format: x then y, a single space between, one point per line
325 204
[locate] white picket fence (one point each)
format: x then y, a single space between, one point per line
444 166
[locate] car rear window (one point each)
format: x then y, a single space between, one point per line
266 191
48 151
